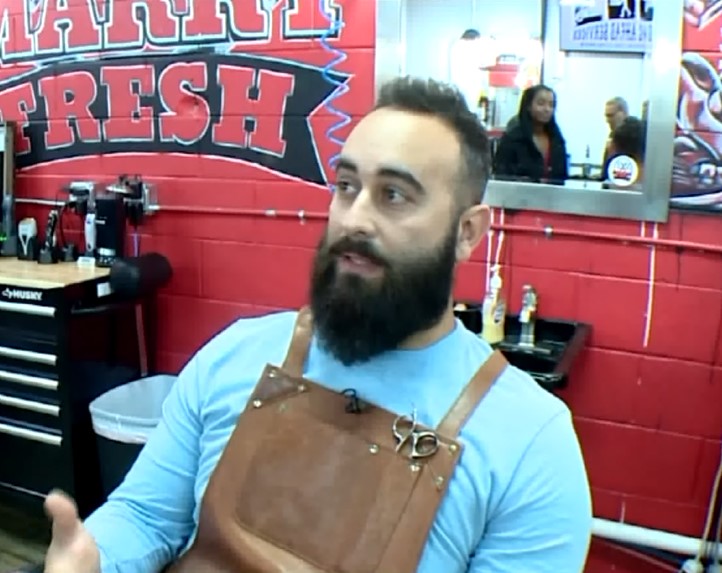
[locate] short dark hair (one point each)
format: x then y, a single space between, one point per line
434 98
471 34
630 138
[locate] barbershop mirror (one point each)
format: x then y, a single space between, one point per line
578 96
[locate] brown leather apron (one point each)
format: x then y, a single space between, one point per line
308 485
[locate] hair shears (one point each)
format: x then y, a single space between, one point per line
422 443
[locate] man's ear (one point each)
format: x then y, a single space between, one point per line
473 227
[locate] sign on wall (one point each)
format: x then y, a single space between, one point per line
236 80
606 26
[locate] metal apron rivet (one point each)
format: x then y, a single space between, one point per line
301 387
439 481
374 449
415 467
257 403
453 448
272 374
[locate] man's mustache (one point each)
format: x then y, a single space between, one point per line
362 248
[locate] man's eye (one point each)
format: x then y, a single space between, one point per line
394 195
343 187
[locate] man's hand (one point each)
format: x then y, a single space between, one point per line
72 549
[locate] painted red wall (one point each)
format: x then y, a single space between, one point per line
648 416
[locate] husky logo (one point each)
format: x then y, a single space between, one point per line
24 295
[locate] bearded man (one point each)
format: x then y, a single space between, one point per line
370 432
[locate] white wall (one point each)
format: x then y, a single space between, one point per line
583 81
433 25
390 40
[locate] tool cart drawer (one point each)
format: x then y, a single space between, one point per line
32 381
32 457
29 327
26 409
29 382
29 388
29 362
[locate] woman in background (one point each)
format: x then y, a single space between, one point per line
533 148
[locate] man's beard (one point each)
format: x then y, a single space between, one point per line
357 318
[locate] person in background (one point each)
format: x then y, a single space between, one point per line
533 147
214 489
467 58
616 110
463 69
629 138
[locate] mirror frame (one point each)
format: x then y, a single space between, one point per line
649 204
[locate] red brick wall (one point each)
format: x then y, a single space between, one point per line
648 416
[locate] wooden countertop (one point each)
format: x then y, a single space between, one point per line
30 274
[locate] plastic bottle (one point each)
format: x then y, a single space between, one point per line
587 166
494 310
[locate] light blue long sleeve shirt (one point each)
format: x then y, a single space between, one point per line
518 501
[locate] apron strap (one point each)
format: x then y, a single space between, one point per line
297 353
472 395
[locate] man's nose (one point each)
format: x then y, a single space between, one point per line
359 217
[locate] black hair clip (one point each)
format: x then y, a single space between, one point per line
353 404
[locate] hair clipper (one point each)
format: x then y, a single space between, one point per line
49 250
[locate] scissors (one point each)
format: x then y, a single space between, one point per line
424 444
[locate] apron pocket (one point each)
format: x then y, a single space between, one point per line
324 493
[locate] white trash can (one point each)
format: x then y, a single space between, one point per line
123 419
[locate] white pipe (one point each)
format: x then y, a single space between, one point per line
652 538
